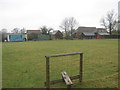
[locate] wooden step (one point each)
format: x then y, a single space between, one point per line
66 78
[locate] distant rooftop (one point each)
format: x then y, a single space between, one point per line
101 30
104 34
33 31
54 32
86 29
88 34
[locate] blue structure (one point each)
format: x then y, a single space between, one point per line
16 37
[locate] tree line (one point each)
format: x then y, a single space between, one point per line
69 25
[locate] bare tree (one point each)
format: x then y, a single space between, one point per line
65 25
72 24
15 30
69 25
46 30
23 30
109 21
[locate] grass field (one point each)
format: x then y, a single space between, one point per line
24 63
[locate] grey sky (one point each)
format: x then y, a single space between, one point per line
32 14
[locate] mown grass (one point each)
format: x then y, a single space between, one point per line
24 63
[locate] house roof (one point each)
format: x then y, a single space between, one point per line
54 32
101 30
103 33
34 31
86 29
88 34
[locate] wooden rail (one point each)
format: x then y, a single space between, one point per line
61 80
66 54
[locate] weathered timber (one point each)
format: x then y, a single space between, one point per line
66 54
61 80
81 67
48 82
66 78
47 73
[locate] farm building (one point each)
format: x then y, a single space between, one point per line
37 35
16 37
34 31
85 33
102 33
56 35
90 33
33 34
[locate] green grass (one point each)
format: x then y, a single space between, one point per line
24 63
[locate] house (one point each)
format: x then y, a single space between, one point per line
85 33
16 37
33 34
102 33
56 35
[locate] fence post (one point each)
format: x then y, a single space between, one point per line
47 73
81 66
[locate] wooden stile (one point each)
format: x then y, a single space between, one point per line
64 74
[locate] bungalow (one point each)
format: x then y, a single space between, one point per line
56 35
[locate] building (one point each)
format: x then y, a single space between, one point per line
90 33
56 35
85 33
102 33
33 34
34 31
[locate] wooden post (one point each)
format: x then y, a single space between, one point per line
81 66
47 73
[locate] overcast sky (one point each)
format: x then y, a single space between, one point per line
32 14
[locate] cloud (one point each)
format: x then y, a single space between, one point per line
34 13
